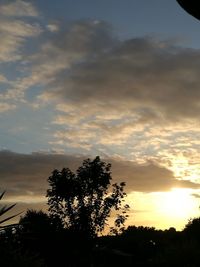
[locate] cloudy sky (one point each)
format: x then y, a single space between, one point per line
114 78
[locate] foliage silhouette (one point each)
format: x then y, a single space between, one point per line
36 234
83 201
39 236
12 250
4 209
192 229
37 222
79 207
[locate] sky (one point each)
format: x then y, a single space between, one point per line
114 78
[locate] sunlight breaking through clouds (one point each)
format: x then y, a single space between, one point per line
78 88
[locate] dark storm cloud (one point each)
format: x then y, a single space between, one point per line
26 175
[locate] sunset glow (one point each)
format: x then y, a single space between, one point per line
117 79
178 203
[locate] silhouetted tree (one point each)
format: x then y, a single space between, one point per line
83 201
36 222
11 246
36 235
192 229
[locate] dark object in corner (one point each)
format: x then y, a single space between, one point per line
191 6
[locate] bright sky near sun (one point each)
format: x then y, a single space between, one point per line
114 78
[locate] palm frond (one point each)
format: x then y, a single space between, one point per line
5 209
10 217
1 196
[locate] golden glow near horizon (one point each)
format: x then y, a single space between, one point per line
163 209
178 203
175 207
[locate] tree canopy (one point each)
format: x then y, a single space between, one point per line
83 201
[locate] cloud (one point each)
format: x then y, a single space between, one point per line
9 48
3 79
126 87
66 49
148 177
14 32
6 106
27 175
85 65
143 77
138 98
18 9
24 176
14 29
19 28
196 195
54 27
13 35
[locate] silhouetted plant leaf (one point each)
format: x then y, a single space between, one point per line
4 210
